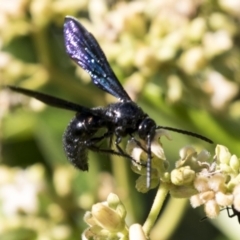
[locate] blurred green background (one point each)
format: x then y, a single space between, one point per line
179 60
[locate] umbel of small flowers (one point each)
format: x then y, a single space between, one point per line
221 187
214 183
107 221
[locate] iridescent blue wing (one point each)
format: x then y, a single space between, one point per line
84 49
52 101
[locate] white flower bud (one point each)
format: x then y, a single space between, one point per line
182 176
201 183
196 201
223 199
186 152
203 156
234 163
211 209
222 153
193 60
107 218
231 6
217 182
207 196
136 232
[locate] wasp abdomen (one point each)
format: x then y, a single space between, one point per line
78 133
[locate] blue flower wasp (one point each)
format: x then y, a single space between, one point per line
120 119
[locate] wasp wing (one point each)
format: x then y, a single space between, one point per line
84 49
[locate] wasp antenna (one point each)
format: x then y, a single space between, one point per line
187 133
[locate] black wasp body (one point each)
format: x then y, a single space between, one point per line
121 119
116 118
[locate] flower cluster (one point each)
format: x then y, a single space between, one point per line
159 165
19 190
186 169
214 184
107 221
212 192
218 187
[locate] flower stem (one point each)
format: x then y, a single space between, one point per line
166 225
156 207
